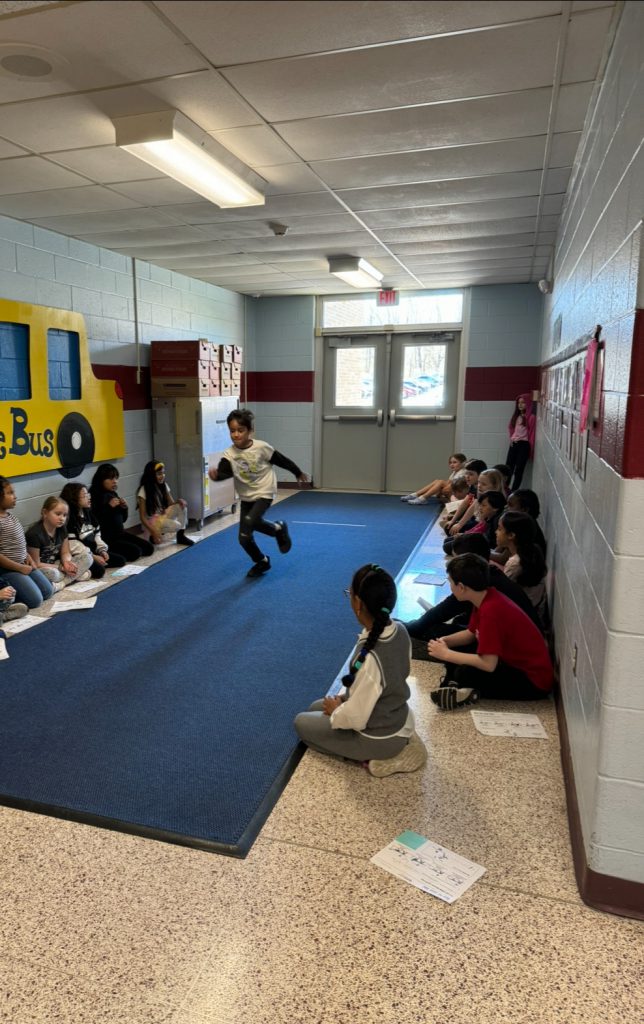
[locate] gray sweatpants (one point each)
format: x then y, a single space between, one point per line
314 728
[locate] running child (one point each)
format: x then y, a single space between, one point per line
251 462
371 721
161 515
18 567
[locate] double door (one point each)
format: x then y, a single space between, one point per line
389 409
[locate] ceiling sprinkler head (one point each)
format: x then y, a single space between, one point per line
278 229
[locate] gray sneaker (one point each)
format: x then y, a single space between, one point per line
15 611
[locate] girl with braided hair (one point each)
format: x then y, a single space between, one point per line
370 721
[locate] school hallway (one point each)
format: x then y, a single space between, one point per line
100 927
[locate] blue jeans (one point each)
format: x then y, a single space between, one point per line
31 590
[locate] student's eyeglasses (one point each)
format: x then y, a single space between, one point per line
347 592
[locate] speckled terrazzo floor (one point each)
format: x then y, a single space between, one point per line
97 926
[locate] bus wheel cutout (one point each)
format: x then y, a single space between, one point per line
75 444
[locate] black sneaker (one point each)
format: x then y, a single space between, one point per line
283 537
182 539
449 698
259 568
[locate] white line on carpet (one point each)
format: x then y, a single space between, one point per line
313 522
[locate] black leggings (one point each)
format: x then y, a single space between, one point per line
505 683
114 561
252 521
516 460
130 546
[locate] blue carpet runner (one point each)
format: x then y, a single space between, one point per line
167 709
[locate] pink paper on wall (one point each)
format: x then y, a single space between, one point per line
587 388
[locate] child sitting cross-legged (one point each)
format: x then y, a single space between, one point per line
511 660
9 607
82 525
438 490
371 722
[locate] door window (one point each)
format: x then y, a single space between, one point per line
423 376
355 377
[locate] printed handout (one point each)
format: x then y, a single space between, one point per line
504 723
19 625
428 866
128 570
73 606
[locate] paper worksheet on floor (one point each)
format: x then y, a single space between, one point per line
20 625
428 866
82 604
504 723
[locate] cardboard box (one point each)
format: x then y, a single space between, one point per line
225 371
226 387
235 372
180 387
198 349
214 371
237 354
225 353
181 368
214 388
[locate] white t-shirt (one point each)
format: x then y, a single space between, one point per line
253 471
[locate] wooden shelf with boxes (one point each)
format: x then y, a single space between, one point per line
184 369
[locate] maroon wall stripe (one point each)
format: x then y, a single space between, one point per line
499 383
279 386
631 421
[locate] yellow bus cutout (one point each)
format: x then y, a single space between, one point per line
54 413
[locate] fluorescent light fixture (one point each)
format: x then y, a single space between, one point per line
174 145
355 271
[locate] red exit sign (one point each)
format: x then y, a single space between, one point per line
387 297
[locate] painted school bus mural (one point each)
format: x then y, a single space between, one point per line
54 413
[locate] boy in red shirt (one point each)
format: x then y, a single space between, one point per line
511 661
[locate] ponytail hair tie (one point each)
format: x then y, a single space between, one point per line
387 611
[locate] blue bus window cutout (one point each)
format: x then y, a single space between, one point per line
63 361
15 380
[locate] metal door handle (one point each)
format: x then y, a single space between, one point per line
392 417
380 418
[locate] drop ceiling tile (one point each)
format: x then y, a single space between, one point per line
138 239
508 254
69 122
457 213
441 164
161 249
156 192
441 193
404 249
91 199
336 243
572 105
103 164
256 146
444 232
408 128
185 264
449 68
129 219
285 179
281 30
587 35
7 149
204 97
94 54
32 174
277 208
